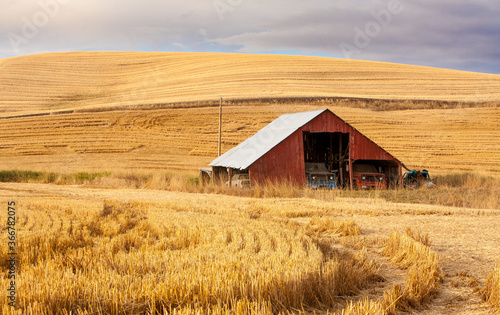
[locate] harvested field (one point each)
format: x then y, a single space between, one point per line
454 129
183 139
99 80
146 252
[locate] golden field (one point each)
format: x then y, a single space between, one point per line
450 122
112 220
184 139
97 80
135 251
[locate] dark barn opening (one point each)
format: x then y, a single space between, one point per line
220 175
330 148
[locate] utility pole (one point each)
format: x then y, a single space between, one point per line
220 125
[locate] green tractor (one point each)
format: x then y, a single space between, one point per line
416 179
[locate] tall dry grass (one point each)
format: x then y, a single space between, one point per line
457 190
418 236
422 280
466 180
423 277
20 176
465 190
492 289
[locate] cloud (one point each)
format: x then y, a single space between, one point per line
426 33
460 34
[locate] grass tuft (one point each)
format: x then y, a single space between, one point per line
423 277
331 226
364 307
418 236
492 289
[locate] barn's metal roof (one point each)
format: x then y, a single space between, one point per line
249 151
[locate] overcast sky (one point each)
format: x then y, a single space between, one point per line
458 34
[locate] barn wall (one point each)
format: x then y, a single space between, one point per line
286 160
283 162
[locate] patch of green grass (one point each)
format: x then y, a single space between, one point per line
85 176
194 181
19 176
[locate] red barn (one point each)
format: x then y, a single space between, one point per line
281 150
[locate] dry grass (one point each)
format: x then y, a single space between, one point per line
479 193
366 307
465 191
328 225
421 284
424 273
262 254
17 176
466 180
418 236
139 257
492 290
97 80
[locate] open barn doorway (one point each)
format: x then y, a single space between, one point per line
372 168
330 149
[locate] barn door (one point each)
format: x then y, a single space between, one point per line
331 149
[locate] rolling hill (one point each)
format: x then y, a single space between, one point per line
91 80
155 111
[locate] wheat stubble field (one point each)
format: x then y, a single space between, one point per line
86 80
184 139
143 237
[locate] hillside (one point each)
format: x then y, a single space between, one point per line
90 80
183 139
